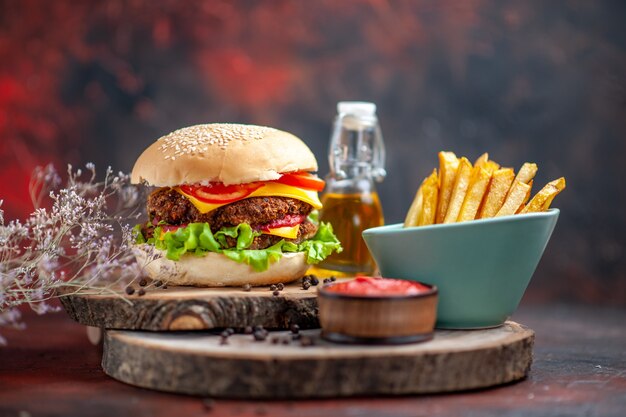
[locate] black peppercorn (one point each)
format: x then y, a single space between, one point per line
314 280
130 290
333 279
276 293
164 286
295 328
306 285
141 292
260 335
143 282
280 286
158 283
273 287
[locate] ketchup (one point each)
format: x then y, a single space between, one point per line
288 221
362 285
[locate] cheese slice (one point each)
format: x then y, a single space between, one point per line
269 189
288 232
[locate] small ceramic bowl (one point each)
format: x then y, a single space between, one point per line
377 319
481 267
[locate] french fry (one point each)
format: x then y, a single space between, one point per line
475 193
548 202
448 166
423 209
415 210
461 184
517 196
525 175
501 181
491 166
429 206
482 159
526 172
463 192
542 200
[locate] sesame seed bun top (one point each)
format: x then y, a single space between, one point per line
222 152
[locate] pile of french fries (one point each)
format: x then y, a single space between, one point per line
461 191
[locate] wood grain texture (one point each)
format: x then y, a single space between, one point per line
199 364
190 308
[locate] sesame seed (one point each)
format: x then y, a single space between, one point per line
199 138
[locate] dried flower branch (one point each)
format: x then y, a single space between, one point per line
83 241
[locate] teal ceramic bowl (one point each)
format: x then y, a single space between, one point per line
481 267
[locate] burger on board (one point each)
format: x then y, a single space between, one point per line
235 205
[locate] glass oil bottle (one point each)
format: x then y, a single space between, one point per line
350 201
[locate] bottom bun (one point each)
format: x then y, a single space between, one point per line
216 270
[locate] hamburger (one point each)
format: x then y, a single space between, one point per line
233 204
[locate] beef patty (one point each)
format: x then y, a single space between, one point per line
168 205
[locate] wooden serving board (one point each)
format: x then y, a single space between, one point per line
191 308
198 364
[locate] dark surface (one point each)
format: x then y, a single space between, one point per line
579 370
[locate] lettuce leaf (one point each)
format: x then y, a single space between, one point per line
314 217
242 232
198 239
259 259
321 245
207 239
136 232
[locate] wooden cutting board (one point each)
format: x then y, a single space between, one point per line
191 308
198 364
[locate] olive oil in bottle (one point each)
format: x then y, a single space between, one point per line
351 203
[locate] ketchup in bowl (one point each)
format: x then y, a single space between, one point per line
376 287
377 311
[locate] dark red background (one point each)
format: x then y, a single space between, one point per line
537 81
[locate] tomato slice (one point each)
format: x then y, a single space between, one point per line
218 193
302 179
289 220
171 228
